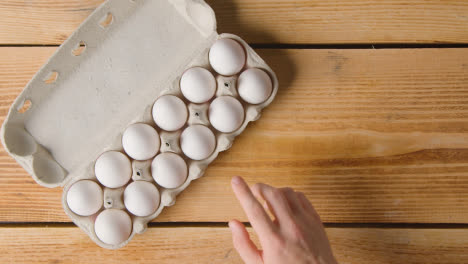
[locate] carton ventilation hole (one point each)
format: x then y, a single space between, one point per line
51 78
167 144
138 173
80 48
107 20
25 106
226 84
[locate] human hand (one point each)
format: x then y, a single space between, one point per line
296 235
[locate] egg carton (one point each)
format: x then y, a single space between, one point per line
107 76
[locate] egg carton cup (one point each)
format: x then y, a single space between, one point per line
107 76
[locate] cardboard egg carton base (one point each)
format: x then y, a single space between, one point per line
107 76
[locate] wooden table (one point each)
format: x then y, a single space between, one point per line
370 122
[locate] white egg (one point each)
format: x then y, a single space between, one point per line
141 198
169 170
197 142
141 141
113 226
227 57
113 169
170 113
254 86
85 197
226 114
198 85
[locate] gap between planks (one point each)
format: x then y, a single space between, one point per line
247 224
312 46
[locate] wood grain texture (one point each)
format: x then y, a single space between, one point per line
213 245
368 135
267 21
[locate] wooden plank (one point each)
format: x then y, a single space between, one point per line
213 245
272 21
368 135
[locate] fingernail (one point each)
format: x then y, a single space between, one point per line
236 180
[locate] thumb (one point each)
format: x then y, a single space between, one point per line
243 244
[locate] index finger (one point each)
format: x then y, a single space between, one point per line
257 216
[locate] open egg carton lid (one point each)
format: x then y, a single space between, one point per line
107 76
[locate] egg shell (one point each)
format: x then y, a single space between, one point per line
226 114
170 113
113 226
141 198
141 141
85 197
113 169
197 142
198 85
169 170
254 86
227 57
